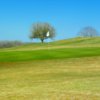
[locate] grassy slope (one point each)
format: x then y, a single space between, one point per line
70 43
49 74
39 51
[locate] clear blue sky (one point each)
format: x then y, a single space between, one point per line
67 16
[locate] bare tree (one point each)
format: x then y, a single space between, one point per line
42 31
7 44
88 32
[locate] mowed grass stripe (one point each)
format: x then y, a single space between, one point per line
48 54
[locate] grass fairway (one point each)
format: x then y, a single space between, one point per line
61 53
50 74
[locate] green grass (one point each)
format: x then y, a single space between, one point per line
48 54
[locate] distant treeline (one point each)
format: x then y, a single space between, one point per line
7 44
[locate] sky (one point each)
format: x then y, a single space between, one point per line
67 16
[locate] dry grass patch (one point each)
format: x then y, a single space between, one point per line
67 79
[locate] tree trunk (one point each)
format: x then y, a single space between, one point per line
42 40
